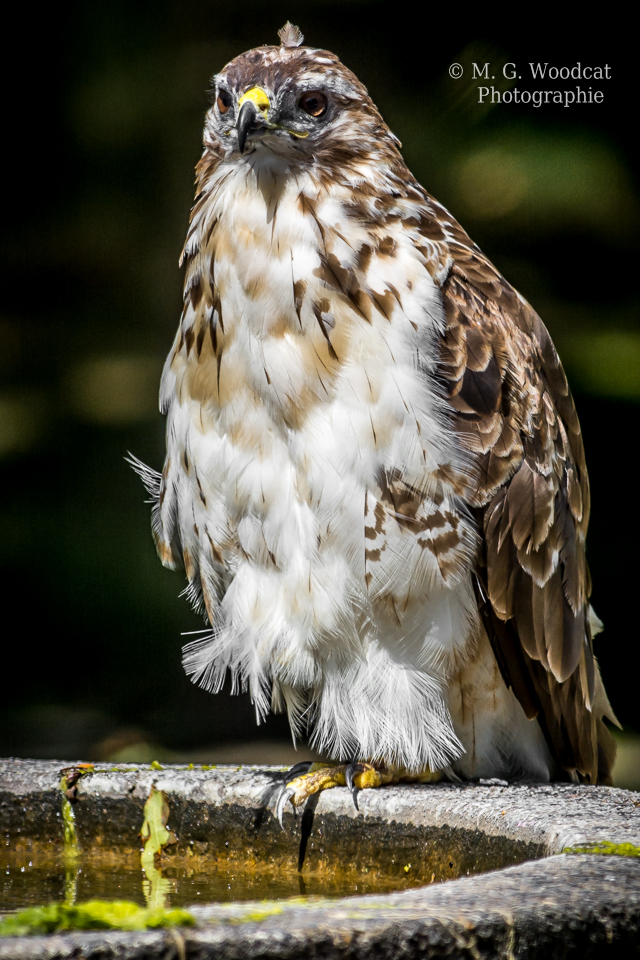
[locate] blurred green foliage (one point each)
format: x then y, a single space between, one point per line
106 127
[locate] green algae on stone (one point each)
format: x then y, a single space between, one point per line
155 836
607 848
69 823
71 850
257 914
154 833
92 915
69 778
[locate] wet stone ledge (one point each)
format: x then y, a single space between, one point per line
536 902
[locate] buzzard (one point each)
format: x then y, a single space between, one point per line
375 477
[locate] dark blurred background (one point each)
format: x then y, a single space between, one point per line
102 114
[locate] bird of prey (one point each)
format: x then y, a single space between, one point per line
375 477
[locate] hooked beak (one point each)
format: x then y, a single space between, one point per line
254 108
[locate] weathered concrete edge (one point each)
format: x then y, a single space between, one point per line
577 900
556 816
585 902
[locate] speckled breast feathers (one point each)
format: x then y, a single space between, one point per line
374 467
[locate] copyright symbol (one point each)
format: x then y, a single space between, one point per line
456 71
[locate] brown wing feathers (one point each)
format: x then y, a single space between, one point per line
513 410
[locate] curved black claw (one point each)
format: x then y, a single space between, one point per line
297 770
349 774
285 794
276 788
305 828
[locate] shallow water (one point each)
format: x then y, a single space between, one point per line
23 885
110 849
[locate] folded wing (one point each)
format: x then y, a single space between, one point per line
513 411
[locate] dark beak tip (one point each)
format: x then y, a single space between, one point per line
246 122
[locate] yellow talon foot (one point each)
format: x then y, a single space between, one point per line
355 776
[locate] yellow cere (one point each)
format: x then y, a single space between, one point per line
262 102
257 96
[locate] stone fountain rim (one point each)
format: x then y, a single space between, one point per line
579 895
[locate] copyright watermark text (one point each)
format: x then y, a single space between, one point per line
565 98
541 73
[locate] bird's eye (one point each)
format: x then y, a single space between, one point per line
314 103
223 101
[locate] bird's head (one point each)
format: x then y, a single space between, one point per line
295 102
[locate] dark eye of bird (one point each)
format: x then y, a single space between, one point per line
223 101
314 103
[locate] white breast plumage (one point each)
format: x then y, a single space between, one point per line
311 479
374 476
